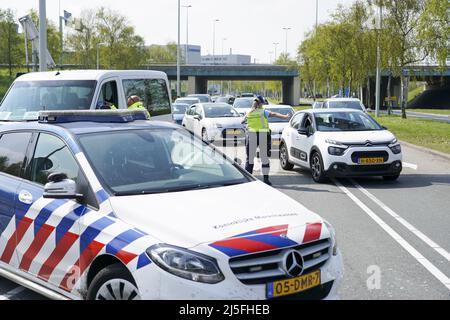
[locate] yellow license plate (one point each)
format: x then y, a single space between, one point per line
276 142
371 161
233 132
292 286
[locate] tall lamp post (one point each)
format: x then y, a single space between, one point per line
186 57
42 36
276 46
214 39
178 52
98 53
287 30
378 83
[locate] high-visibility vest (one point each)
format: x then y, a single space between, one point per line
137 105
257 121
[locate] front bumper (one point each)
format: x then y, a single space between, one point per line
156 284
344 170
224 134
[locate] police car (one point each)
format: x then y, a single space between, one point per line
105 205
340 143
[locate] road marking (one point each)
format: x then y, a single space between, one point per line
438 274
405 223
410 165
12 293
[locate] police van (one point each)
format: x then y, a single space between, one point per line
107 205
84 90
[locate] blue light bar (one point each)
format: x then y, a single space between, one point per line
100 116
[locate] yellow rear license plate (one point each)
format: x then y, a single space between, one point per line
234 132
292 286
366 161
276 142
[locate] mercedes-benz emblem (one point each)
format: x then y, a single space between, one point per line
293 264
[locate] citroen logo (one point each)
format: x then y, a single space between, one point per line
293 264
369 143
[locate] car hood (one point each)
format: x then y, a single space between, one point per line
225 122
278 127
360 137
188 219
177 117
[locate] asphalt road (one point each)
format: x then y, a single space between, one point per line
428 116
394 236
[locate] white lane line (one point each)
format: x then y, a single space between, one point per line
438 274
410 165
405 223
12 293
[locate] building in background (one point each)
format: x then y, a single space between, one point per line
194 54
230 59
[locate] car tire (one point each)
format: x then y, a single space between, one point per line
317 172
391 178
284 158
113 283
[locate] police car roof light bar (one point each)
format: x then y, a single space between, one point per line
100 116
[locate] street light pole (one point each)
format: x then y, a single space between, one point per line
186 57
287 30
276 46
317 13
42 36
378 82
214 40
178 52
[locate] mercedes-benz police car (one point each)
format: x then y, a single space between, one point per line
108 205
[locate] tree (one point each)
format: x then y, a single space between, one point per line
10 40
167 54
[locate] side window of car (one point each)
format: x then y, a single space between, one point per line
13 149
152 93
198 111
192 111
52 156
297 120
108 95
308 124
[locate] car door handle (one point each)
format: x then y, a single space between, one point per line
25 197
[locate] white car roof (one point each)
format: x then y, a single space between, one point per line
317 111
343 99
89 75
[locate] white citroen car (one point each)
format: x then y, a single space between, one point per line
277 125
215 122
340 143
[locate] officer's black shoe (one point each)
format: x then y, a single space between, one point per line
267 181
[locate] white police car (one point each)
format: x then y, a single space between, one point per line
340 143
105 205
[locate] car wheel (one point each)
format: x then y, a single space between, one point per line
284 158
317 168
391 178
113 283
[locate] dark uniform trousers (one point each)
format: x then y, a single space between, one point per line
253 141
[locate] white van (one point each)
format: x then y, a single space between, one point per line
84 90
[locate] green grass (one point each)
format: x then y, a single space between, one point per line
414 93
426 133
432 111
301 108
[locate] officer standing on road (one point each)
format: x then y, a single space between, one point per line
259 135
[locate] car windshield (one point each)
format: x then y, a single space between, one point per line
345 121
26 99
284 111
202 99
243 103
149 161
187 101
220 111
345 105
179 108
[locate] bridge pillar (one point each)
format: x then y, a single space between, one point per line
197 85
291 91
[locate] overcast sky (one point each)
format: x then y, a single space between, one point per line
250 26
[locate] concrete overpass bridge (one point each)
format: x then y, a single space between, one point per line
198 76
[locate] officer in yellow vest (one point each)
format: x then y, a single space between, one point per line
134 102
259 135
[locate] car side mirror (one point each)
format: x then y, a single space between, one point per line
197 117
385 128
61 187
303 132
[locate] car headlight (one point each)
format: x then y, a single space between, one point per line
334 142
333 238
186 264
335 151
397 149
